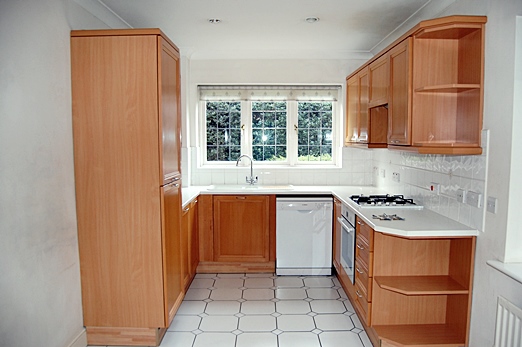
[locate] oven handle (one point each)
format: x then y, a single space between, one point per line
345 225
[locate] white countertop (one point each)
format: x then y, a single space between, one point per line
417 223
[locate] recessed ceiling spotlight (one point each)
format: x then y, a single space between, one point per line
214 20
312 19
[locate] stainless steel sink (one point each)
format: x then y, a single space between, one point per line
255 187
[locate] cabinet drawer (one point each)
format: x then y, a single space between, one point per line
365 232
363 253
363 279
362 302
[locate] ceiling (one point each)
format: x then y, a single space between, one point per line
270 28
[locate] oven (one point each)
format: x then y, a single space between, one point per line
347 222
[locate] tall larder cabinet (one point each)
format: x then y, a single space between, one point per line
126 118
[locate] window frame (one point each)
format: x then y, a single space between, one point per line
292 141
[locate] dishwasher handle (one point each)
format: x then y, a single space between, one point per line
303 206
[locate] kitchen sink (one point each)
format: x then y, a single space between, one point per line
255 187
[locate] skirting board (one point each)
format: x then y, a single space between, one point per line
80 340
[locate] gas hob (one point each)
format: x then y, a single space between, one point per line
384 200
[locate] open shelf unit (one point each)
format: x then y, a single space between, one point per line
422 290
448 80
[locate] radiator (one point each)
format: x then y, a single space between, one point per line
508 330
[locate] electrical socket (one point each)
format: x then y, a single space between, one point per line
474 199
461 195
491 204
396 177
435 188
383 173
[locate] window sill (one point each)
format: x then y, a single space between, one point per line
513 270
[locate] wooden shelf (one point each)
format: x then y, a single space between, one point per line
418 335
421 285
448 88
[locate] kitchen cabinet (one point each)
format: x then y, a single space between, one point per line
189 243
363 270
414 291
337 231
379 81
239 236
399 121
125 99
365 127
435 94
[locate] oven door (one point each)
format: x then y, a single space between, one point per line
347 248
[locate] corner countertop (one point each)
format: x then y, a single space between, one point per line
417 223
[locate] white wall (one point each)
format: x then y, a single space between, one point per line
40 295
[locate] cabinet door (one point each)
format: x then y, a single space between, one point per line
172 249
170 110
399 121
337 237
193 239
185 247
363 118
352 109
379 81
241 228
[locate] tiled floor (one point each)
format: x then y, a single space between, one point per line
263 310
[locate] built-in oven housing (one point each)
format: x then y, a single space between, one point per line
347 222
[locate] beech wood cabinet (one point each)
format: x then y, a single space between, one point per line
236 233
189 243
413 291
436 85
125 98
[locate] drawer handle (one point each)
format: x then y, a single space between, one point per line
240 197
359 222
359 271
358 294
360 247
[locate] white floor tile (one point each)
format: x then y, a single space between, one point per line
258 307
257 323
176 339
222 307
356 321
290 293
258 294
322 293
192 307
287 339
318 282
215 340
295 323
185 323
202 283
340 338
293 307
231 275
259 282
348 306
226 294
365 339
333 322
256 340
283 282
261 274
327 306
218 323
229 283
205 275
197 294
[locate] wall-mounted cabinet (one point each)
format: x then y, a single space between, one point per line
435 91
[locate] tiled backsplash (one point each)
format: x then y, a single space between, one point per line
417 172
374 167
356 170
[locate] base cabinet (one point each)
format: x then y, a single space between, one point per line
239 236
189 243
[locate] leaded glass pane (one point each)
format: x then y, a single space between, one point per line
223 119
269 130
314 142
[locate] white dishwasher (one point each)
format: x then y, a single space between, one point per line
304 235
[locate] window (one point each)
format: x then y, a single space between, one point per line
275 125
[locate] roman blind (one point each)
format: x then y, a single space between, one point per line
269 92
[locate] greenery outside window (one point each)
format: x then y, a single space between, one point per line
275 125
